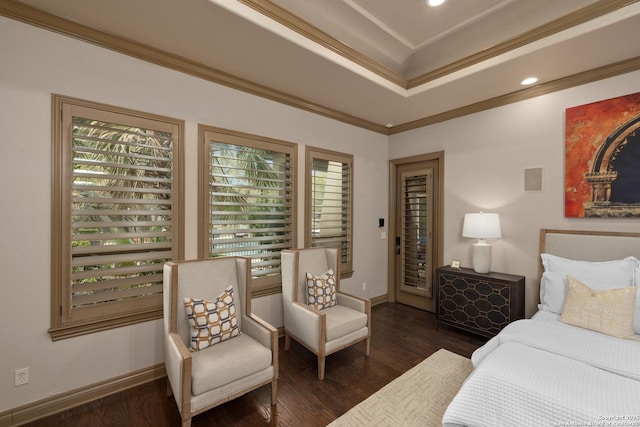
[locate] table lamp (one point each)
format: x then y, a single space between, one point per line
481 226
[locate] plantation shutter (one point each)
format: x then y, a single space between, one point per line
331 203
119 213
416 231
250 202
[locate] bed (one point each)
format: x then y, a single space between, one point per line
576 362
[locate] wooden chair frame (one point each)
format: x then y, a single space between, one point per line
249 321
320 316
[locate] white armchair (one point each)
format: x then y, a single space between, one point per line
327 330
201 380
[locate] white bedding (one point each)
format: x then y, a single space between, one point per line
542 372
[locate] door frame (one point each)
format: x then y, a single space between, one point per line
438 220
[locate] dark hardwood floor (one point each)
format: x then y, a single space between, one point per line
401 338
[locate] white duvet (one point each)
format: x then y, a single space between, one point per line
545 373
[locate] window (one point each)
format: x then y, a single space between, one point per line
329 203
117 214
247 201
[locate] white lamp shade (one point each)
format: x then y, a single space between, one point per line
482 226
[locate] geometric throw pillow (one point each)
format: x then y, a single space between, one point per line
609 312
321 290
211 321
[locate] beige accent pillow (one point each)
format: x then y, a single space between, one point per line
609 312
211 321
321 290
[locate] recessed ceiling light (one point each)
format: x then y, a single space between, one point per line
389 125
529 81
435 3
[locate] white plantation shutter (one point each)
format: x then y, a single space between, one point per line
330 178
249 201
118 215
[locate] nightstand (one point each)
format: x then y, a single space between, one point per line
476 302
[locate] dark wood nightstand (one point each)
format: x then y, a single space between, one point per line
476 302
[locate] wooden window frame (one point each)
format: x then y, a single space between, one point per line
311 154
66 320
271 284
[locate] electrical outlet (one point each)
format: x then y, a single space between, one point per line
364 286
21 377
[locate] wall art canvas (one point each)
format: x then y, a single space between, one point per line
602 159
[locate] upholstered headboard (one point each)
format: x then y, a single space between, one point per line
589 245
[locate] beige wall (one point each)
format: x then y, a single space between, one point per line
36 63
485 157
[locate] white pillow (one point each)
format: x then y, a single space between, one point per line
636 316
599 276
619 273
553 288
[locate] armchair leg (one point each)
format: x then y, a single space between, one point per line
274 388
186 423
287 342
321 360
367 346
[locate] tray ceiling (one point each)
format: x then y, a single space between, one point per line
383 65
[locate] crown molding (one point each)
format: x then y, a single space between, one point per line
304 28
580 16
20 12
29 15
313 33
600 73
